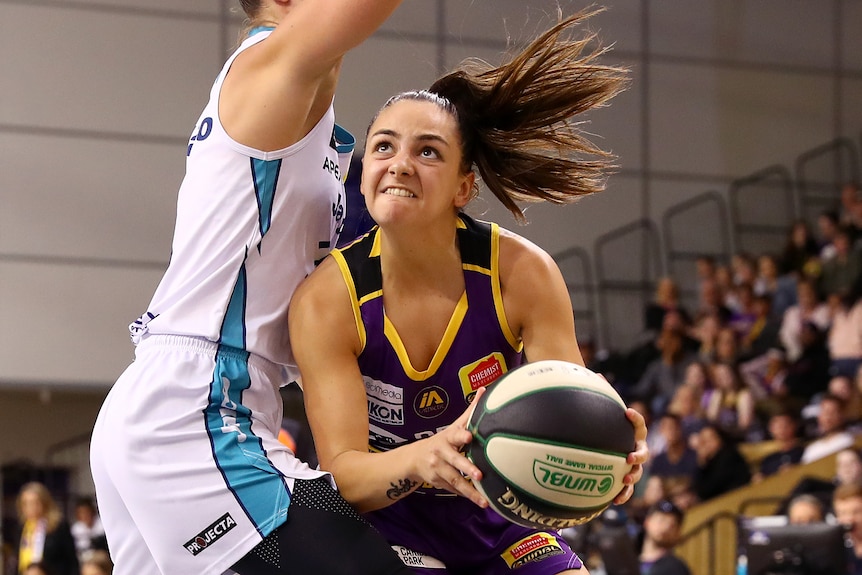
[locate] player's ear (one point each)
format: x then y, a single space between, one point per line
465 190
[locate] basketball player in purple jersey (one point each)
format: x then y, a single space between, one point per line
398 332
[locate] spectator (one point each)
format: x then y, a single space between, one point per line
804 509
665 373
831 434
764 375
845 336
799 249
762 335
827 228
45 536
847 503
721 468
744 314
808 375
705 267
662 527
686 405
86 527
784 431
666 299
678 460
808 309
731 405
766 282
842 270
726 346
844 389
848 471
97 563
712 299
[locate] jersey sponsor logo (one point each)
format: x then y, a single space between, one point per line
481 373
532 548
382 440
415 559
385 402
573 481
431 402
332 167
202 132
210 535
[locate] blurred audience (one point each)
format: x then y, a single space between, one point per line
45 536
831 433
661 533
87 528
98 562
847 503
731 405
721 467
784 431
804 509
677 461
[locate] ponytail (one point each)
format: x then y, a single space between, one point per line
516 120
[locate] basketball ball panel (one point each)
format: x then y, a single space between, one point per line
566 415
569 477
544 374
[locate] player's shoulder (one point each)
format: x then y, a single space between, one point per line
520 254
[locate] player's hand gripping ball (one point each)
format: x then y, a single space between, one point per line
551 439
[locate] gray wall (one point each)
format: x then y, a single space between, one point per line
98 97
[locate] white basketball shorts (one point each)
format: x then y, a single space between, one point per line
189 472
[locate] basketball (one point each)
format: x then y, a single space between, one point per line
551 439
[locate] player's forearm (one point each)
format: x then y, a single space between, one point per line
370 481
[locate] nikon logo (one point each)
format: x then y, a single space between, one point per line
571 481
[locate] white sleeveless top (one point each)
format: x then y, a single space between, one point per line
250 226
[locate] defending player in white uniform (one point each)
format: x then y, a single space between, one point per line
190 475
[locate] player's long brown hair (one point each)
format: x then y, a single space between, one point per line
516 121
250 7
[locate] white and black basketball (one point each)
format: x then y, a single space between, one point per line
551 439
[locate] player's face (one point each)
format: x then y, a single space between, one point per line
411 170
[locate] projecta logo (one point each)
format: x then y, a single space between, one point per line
532 548
431 402
210 535
481 373
572 481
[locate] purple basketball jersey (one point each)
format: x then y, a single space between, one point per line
405 405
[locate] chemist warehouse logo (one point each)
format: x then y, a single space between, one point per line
210 535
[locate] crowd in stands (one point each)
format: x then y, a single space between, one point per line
47 544
770 352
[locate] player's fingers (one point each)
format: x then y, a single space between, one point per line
638 422
640 455
464 487
624 495
634 475
464 418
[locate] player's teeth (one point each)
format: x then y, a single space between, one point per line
399 192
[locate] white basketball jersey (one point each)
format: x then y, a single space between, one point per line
250 226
